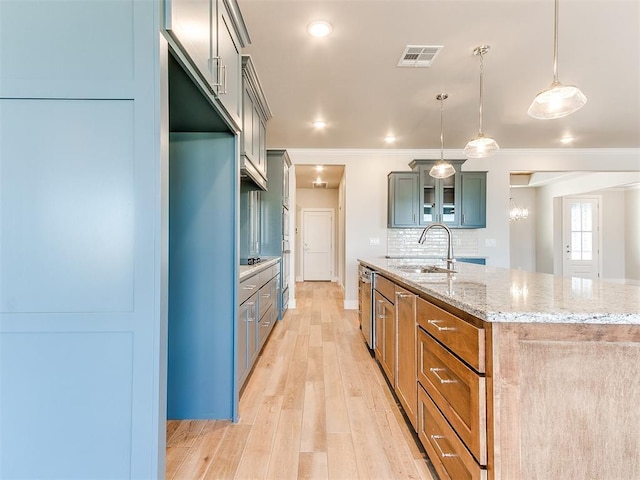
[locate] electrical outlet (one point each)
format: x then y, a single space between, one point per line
489 242
374 240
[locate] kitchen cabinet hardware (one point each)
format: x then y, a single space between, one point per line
440 329
435 439
436 373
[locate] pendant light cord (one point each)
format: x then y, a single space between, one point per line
441 129
481 100
555 43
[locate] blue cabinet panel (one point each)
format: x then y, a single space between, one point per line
473 187
402 201
202 272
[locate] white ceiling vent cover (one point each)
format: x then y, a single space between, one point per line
319 184
419 55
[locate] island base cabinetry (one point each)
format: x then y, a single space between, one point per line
446 451
566 401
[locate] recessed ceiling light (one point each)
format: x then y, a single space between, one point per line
390 139
319 28
319 124
566 140
319 168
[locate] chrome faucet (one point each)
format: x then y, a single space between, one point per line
423 237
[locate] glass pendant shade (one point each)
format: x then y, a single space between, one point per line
481 146
557 101
442 169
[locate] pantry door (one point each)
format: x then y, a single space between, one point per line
317 244
581 237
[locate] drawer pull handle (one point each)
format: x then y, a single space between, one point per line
442 380
440 329
248 287
443 454
403 295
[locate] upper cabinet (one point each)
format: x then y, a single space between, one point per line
473 199
417 199
402 202
255 114
439 198
211 33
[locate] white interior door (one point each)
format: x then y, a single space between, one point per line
317 244
581 237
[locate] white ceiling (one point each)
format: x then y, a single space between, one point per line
350 79
307 174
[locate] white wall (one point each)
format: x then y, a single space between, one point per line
366 192
523 232
549 227
632 234
316 198
612 248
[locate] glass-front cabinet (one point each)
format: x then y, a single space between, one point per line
439 197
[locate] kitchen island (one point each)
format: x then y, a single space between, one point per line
518 375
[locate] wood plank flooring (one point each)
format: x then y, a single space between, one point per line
316 406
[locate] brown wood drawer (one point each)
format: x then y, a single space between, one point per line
462 338
385 287
446 451
459 392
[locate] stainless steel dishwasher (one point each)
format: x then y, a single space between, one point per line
365 304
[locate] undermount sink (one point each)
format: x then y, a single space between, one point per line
424 269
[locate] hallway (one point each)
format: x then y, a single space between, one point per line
316 406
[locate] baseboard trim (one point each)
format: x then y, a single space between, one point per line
351 305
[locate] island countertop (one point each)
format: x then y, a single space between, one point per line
496 294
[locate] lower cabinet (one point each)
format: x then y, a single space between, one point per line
385 339
435 363
406 385
256 317
446 451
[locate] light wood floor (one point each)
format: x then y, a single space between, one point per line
316 406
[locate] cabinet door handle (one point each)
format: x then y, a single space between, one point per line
224 80
443 454
440 329
266 295
437 375
217 84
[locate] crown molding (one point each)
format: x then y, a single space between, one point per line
458 153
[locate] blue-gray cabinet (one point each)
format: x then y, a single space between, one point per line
202 269
275 210
416 199
211 33
439 198
402 202
256 315
255 114
473 199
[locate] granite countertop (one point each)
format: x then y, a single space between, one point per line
501 295
247 271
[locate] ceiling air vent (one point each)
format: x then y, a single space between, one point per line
319 184
419 55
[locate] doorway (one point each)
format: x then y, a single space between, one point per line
317 244
581 237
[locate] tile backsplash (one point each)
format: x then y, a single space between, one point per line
403 242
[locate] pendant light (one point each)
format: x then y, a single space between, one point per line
515 212
481 146
558 100
442 169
